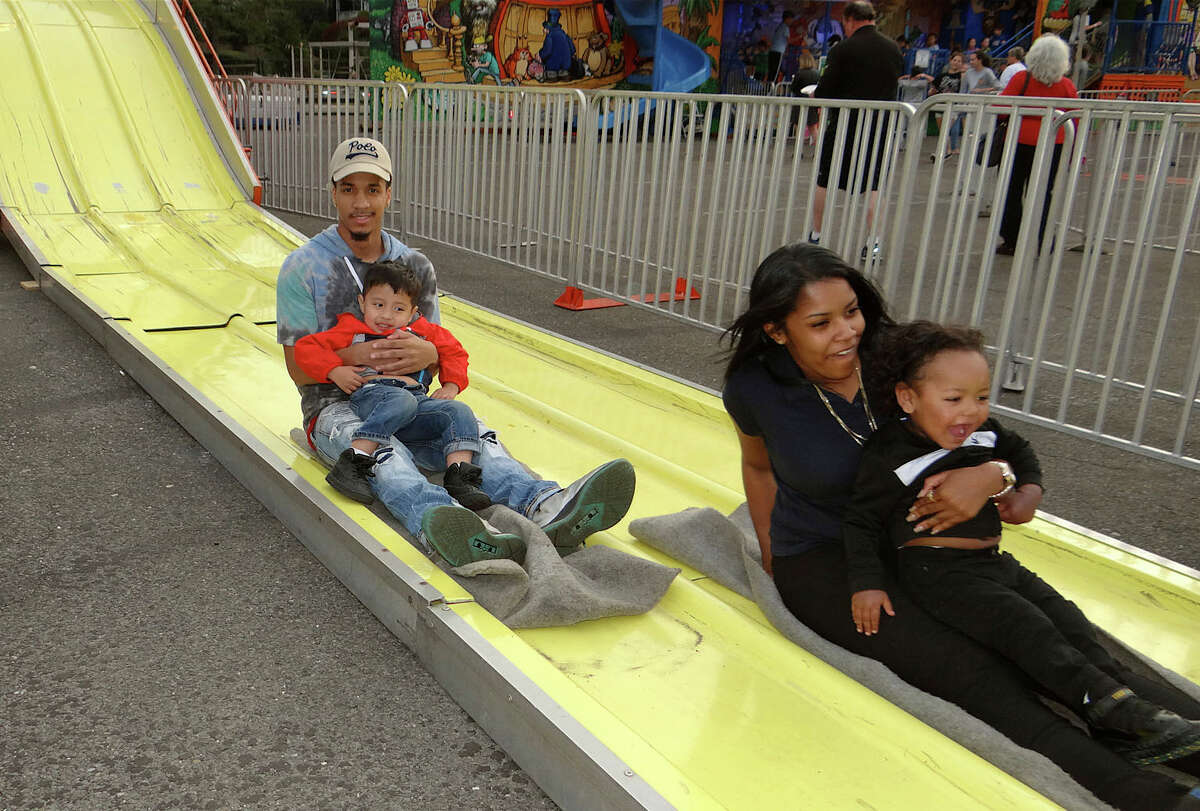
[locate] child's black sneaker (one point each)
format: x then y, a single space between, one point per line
352 474
464 482
1141 732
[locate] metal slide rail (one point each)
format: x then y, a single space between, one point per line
670 201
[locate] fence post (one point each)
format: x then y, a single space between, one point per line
907 117
1023 288
397 119
587 132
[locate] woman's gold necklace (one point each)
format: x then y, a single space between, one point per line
857 437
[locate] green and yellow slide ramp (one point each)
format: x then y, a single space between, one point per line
128 197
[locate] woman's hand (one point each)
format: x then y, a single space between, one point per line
953 496
864 607
1019 506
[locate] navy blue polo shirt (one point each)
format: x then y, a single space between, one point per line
814 459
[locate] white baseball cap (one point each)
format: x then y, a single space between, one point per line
360 155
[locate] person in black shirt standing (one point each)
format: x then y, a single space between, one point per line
779 45
866 66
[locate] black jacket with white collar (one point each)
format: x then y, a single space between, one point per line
896 461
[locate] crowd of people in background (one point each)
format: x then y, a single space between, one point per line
867 65
763 63
771 63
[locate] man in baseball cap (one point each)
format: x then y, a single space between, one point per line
322 279
360 155
360 183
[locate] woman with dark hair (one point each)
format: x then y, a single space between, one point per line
797 388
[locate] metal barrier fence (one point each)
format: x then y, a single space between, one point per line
1146 135
738 84
670 201
292 125
1126 358
1097 327
684 193
494 170
1168 94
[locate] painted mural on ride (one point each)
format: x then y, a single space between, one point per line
570 43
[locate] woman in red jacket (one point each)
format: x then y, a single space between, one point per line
1046 63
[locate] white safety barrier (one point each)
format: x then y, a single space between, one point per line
494 170
683 193
1148 133
1096 326
670 201
292 126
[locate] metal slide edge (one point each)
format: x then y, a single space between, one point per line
565 759
82 310
161 15
1135 551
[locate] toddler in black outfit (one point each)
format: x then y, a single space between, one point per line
938 377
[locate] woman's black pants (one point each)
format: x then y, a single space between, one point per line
1014 201
939 660
774 60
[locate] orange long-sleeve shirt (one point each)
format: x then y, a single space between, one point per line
317 353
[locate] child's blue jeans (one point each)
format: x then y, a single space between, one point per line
389 409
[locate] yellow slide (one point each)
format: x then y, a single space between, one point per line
127 195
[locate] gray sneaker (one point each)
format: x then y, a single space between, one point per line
593 503
459 536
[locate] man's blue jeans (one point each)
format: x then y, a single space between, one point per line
402 488
392 409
